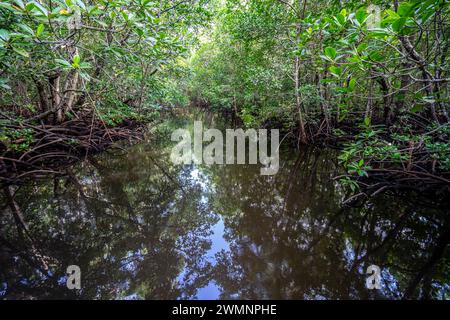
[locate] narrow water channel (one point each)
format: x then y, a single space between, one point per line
140 227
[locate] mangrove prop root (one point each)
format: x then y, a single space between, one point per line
56 146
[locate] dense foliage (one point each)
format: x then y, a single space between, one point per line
71 69
59 59
372 73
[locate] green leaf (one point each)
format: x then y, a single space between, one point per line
427 14
367 121
20 4
429 99
335 70
417 108
85 76
354 59
85 65
352 84
341 19
76 61
39 30
4 85
81 4
26 28
392 14
139 31
21 51
376 56
378 33
39 7
4 35
398 25
361 47
330 52
405 9
5 5
29 6
361 15
63 63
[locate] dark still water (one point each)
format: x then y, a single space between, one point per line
141 228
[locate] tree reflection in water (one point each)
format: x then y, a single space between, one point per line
131 224
140 227
291 238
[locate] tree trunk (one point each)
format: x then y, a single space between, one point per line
55 82
386 101
70 91
298 103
